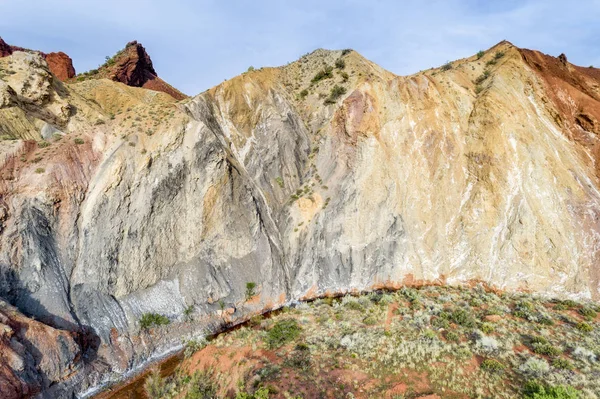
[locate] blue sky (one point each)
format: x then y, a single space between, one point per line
196 44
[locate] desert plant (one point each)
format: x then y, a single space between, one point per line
461 317
446 67
202 386
480 54
153 319
340 63
325 73
487 328
40 170
451 336
336 92
563 364
584 327
187 313
283 332
588 313
492 365
537 390
154 386
78 141
250 290
482 77
534 367
546 349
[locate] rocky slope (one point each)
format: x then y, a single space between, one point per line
324 176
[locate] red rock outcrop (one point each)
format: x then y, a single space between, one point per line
133 67
5 49
60 64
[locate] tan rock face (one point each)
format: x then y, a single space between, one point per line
303 180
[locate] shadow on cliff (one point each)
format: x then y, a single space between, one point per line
14 292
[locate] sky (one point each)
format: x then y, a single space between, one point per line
196 44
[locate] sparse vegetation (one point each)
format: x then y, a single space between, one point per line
78 141
282 332
250 290
40 170
149 320
446 67
433 340
336 92
340 63
480 54
324 73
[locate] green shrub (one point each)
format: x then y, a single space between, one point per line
539 340
336 92
451 336
324 73
78 141
546 349
410 293
446 67
462 318
303 93
155 385
250 290
588 313
584 327
40 170
498 55
480 54
187 313
250 69
537 390
346 51
569 303
202 386
345 76
487 328
153 319
481 78
563 364
340 63
261 393
283 332
492 365
43 144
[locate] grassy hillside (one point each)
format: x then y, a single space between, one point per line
433 342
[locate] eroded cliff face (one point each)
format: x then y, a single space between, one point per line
60 64
117 201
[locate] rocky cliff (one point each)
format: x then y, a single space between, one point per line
133 67
60 64
324 176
